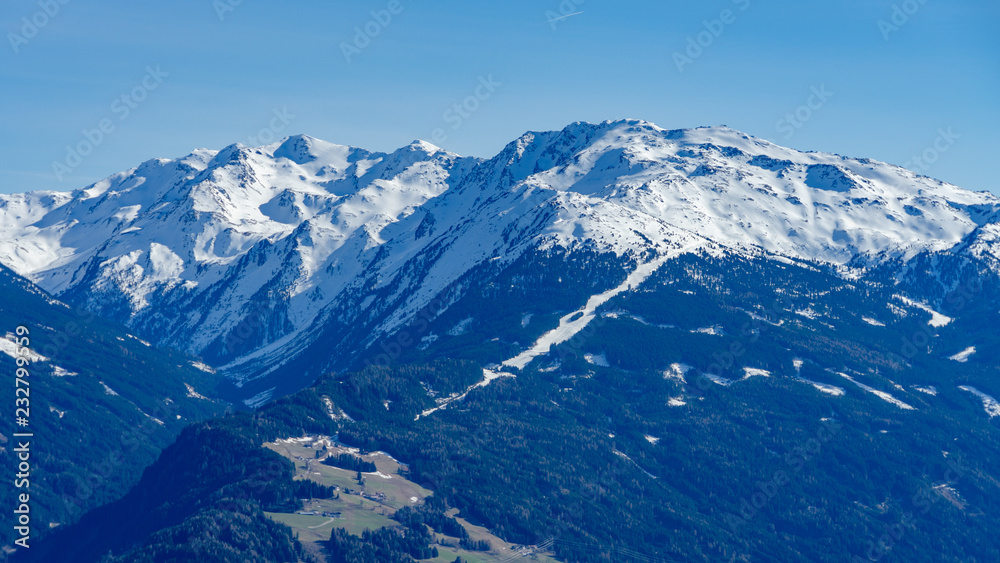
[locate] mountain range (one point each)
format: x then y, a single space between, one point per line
613 341
251 258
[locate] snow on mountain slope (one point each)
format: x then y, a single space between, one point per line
233 227
242 255
740 191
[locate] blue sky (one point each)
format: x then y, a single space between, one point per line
207 73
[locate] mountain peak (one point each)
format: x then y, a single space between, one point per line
423 146
302 149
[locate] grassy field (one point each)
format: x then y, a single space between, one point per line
309 528
356 517
384 491
398 491
448 555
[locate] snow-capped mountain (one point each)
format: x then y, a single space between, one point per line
250 256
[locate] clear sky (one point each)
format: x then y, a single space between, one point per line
208 73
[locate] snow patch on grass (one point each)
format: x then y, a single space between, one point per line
963 356
141 341
461 328
831 390
7 346
989 403
60 372
260 398
719 380
880 394
898 311
194 394
677 371
755 372
203 367
597 360
937 319
808 313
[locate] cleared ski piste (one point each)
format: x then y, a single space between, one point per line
488 377
571 324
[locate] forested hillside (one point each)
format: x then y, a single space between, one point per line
101 403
